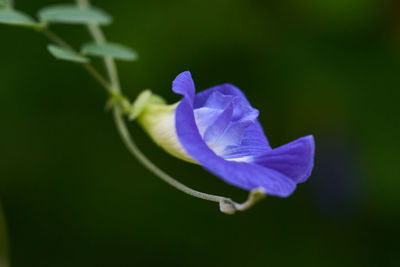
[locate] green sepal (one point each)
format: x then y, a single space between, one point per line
139 104
145 98
158 120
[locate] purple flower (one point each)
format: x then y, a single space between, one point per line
218 129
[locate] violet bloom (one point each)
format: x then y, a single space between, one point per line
218 129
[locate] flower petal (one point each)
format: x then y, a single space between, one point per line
217 129
233 136
225 89
204 117
218 101
184 85
253 144
247 150
244 175
254 135
295 159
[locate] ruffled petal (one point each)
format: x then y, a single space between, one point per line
205 117
254 135
216 130
184 85
223 120
217 100
225 89
253 144
295 159
242 174
233 135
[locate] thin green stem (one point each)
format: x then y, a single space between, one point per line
226 204
118 115
99 37
123 130
56 39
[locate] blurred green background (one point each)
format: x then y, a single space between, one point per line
73 196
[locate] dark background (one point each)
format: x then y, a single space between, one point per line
73 195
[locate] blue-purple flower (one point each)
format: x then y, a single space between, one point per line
218 129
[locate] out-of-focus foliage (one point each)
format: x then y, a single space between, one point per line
73 196
62 53
116 51
74 15
13 17
4 3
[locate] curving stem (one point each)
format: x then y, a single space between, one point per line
226 204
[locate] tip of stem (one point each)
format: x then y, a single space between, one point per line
227 207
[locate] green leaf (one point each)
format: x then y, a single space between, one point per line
116 51
4 3
13 17
73 14
64 54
